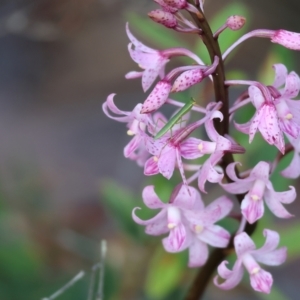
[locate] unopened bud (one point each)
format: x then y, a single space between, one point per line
287 39
187 79
180 4
166 7
163 17
235 22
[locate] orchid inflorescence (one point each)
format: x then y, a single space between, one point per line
185 219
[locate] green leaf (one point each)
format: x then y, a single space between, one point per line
289 237
120 201
164 273
230 224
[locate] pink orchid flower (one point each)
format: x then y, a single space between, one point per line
168 150
153 61
205 232
136 122
288 110
190 224
171 217
258 187
217 148
248 257
265 118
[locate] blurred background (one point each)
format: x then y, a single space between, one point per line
64 183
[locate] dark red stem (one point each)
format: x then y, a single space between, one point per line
221 94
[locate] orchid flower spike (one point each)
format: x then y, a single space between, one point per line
258 188
248 258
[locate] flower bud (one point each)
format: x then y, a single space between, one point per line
157 97
180 4
166 7
287 39
163 17
235 22
187 79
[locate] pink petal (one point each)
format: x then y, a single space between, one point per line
223 144
292 86
198 254
210 127
256 96
151 167
186 197
187 79
286 197
167 161
132 145
189 148
269 127
244 128
157 97
157 228
251 209
160 217
144 60
261 171
233 277
151 199
280 75
215 236
271 243
180 166
133 75
274 258
109 104
243 244
275 206
178 239
149 76
155 147
208 172
294 106
293 169
224 206
261 281
230 170
288 39
241 186
137 43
